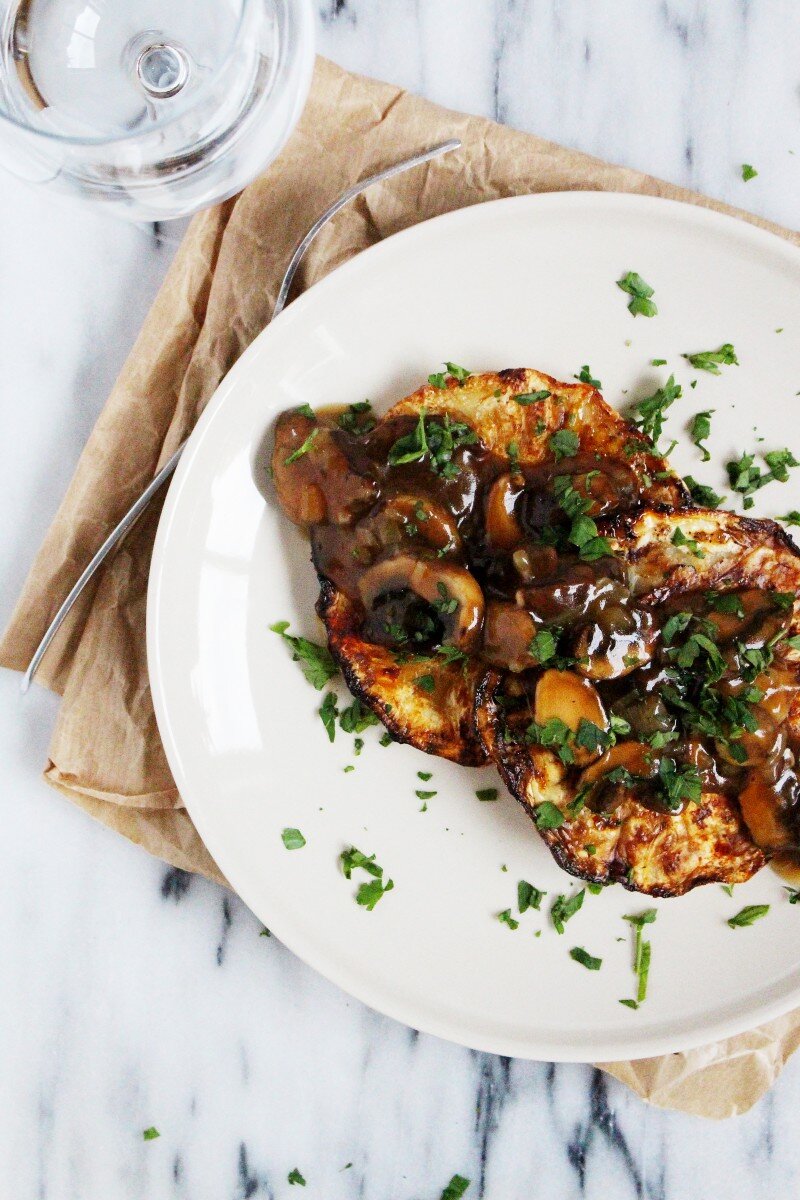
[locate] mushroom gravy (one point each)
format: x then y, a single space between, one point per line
444 544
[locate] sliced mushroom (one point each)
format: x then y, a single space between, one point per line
564 696
507 635
535 562
615 644
503 531
432 523
313 477
450 589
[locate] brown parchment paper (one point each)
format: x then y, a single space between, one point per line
106 754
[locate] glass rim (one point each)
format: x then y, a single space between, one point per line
119 139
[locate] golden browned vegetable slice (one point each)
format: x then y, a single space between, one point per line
425 702
646 850
668 556
490 404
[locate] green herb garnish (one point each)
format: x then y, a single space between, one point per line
585 376
712 360
529 896
455 1188
749 914
149 1135
564 443
526 398
487 794
579 955
547 816
294 1176
651 410
699 430
506 918
316 662
702 494
748 172
293 839
641 302
301 450
328 713
565 907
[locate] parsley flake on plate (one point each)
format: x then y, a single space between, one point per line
328 713
748 172
641 302
703 495
316 662
547 816
487 794
150 1135
505 918
564 443
370 893
293 839
565 907
747 915
641 954
294 1176
649 412
712 360
529 896
579 955
699 430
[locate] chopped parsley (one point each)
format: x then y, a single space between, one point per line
425 683
455 1188
746 478
651 409
459 373
356 718
542 646
316 662
386 739
565 907
506 918
794 895
679 784
712 360
293 839
446 604
526 398
487 794
301 450
437 440
294 1176
564 443
149 1135
548 816
699 430
679 538
641 953
306 410
328 714
529 896
579 955
641 302
701 494
424 795
424 775
585 376
357 418
747 915
791 518
748 172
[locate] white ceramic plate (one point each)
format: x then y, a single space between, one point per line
521 282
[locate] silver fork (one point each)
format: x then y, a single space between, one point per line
136 509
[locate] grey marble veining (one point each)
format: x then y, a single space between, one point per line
133 995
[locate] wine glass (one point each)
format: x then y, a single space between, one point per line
154 108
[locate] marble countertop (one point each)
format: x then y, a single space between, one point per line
134 996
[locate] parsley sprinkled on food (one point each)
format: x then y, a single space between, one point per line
700 429
748 915
641 302
579 955
548 816
564 443
585 376
293 839
316 662
525 398
746 477
649 412
702 494
712 360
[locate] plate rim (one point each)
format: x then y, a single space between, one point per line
527 1048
